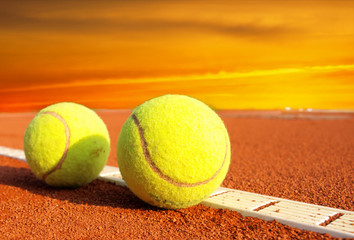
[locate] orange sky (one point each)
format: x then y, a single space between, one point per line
230 54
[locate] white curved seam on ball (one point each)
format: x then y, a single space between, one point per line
157 170
67 133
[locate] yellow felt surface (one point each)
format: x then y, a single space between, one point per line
44 143
88 150
187 141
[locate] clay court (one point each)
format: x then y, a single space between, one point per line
306 157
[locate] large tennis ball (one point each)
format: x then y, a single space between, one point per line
66 145
173 151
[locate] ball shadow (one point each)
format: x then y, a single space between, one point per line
96 193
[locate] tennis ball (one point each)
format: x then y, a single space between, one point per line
66 145
173 151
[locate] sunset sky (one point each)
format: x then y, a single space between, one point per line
229 54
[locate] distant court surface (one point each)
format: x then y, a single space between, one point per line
316 218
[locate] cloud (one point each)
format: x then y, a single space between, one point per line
94 26
72 21
218 79
261 89
136 49
232 18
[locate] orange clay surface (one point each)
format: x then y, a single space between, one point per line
300 156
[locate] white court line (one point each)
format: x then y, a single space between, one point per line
292 213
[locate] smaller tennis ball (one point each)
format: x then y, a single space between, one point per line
173 151
66 145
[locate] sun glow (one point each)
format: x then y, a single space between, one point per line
237 54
